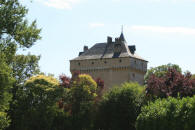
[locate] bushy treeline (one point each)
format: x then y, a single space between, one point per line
171 100
168 114
76 103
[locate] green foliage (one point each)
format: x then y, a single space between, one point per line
15 32
7 50
168 114
5 96
4 121
14 25
172 84
24 67
193 76
86 85
161 71
120 107
77 102
82 97
35 107
5 86
62 121
44 81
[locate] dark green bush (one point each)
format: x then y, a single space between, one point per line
168 114
120 107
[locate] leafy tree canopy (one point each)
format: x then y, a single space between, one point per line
6 83
14 27
120 107
15 32
78 103
174 83
24 67
168 114
35 107
161 71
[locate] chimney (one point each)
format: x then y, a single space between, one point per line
109 39
132 49
85 48
117 39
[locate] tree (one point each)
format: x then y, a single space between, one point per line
79 101
174 83
24 67
5 86
14 27
35 107
168 114
160 71
120 107
16 32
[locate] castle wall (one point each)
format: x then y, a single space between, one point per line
113 71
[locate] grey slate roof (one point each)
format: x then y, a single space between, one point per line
105 50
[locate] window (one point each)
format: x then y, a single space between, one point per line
105 62
92 63
79 63
120 60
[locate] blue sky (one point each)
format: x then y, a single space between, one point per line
162 30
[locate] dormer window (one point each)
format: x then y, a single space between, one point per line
117 48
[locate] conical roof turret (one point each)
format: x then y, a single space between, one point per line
122 38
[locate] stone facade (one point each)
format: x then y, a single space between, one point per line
113 62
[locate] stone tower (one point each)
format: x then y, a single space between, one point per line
113 61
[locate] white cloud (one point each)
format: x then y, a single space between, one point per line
167 30
95 25
60 4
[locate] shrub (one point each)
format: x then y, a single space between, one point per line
168 114
120 107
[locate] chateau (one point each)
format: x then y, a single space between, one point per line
113 61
